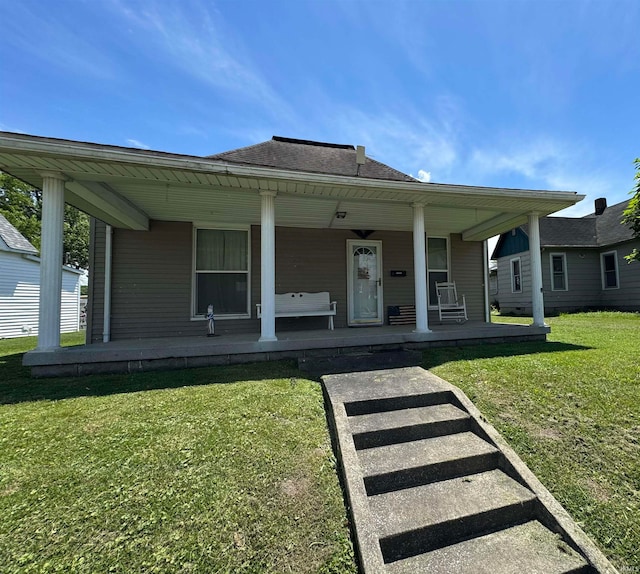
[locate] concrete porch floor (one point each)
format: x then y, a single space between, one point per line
134 355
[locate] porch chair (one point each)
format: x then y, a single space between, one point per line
449 306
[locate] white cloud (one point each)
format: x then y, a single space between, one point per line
199 42
551 164
138 144
410 142
424 176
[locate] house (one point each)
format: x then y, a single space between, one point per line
172 234
583 265
20 287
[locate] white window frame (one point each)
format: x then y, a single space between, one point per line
194 239
434 305
564 271
512 275
602 270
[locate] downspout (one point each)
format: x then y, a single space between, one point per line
106 330
485 262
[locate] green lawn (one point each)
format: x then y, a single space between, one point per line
571 409
170 472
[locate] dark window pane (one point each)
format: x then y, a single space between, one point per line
557 265
227 292
609 263
437 253
558 282
516 283
610 279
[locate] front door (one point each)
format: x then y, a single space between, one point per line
364 282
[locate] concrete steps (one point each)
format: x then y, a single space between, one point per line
433 488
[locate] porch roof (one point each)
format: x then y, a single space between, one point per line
127 187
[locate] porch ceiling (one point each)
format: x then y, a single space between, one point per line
124 187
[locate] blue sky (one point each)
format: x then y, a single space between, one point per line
537 94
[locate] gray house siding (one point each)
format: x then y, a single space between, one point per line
583 281
627 296
152 277
518 303
467 270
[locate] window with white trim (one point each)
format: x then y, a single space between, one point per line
221 272
609 266
516 276
558 263
437 265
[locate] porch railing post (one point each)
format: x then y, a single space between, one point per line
51 261
537 297
268 265
420 269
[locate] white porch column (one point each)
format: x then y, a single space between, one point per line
537 298
51 261
268 265
420 269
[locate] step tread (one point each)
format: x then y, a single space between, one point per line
429 505
367 386
528 547
404 418
424 452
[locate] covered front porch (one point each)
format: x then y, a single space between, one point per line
175 233
130 356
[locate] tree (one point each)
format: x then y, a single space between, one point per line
632 214
21 204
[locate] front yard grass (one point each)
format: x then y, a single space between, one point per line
168 472
175 472
571 410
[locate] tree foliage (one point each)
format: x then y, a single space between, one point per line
21 204
632 214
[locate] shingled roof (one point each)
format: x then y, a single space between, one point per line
13 239
589 231
311 156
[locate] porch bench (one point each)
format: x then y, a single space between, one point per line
303 304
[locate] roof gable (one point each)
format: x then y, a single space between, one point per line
589 231
13 239
310 156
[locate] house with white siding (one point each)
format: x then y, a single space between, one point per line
583 264
20 287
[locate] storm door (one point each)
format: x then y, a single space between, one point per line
364 282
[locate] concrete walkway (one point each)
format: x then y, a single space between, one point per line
433 488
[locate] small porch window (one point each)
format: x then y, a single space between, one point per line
437 266
558 262
221 272
516 276
609 266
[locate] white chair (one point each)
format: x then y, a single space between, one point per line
449 307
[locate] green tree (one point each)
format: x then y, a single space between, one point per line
632 214
21 204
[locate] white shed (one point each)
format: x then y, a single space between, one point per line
20 287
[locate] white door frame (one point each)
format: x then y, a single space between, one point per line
351 320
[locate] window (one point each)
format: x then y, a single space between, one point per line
558 263
437 265
221 265
516 276
609 266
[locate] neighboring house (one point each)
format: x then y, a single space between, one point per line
20 287
172 234
583 265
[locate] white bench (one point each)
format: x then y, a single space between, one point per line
303 305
